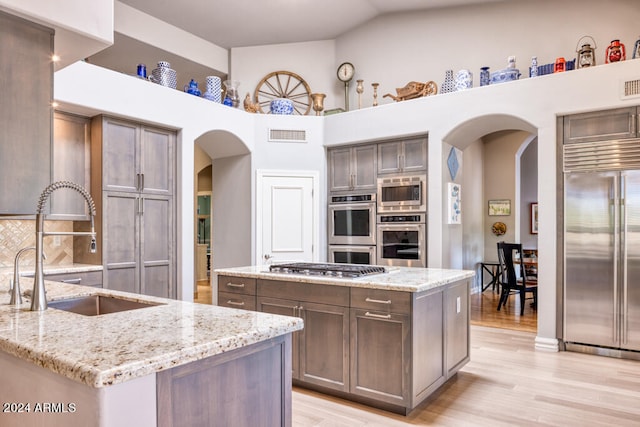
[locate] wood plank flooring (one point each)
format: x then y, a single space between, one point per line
506 383
484 312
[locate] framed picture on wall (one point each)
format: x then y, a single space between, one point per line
534 218
499 207
454 204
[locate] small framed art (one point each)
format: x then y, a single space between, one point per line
534 218
500 207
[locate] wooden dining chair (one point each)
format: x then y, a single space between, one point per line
510 281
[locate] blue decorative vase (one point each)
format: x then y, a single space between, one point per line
449 84
214 89
464 80
485 76
533 71
192 88
281 106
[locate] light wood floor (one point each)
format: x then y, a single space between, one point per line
506 383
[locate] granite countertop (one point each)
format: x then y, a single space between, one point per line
406 279
116 347
52 269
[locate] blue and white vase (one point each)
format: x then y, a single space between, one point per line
281 106
464 80
533 71
485 76
449 84
214 89
164 75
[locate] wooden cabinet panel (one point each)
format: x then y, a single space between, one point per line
617 123
317 293
285 307
239 285
402 156
246 387
457 324
134 166
324 346
84 278
381 300
71 162
26 72
234 300
353 168
380 356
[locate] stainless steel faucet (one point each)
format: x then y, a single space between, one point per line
16 297
38 296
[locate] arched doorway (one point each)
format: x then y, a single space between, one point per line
499 166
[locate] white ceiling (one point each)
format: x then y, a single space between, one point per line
240 23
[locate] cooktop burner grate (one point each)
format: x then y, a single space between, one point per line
333 270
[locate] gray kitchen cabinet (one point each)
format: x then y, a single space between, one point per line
71 162
321 349
402 156
84 278
26 77
132 173
235 292
619 123
353 168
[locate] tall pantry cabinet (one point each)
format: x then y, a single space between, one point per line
133 182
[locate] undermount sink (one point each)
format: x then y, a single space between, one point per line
95 305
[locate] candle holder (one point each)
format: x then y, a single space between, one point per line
375 93
318 102
360 90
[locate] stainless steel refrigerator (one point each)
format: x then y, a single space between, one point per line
602 246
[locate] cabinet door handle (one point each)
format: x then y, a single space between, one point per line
239 304
235 285
377 301
378 316
141 181
141 205
138 182
75 281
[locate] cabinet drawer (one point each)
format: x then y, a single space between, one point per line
381 300
237 285
85 278
234 300
316 293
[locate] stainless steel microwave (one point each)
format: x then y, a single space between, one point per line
402 194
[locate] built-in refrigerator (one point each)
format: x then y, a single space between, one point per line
602 246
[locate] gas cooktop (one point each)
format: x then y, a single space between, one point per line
332 270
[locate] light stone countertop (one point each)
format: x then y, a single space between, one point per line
406 279
116 347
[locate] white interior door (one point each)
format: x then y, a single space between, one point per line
287 217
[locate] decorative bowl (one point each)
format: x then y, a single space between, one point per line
281 106
506 75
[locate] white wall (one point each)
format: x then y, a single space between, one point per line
528 193
313 61
421 46
473 205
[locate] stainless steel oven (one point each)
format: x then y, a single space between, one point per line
352 254
402 194
352 220
402 240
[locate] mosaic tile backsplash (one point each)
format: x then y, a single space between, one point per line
17 234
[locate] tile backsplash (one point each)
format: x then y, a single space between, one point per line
16 234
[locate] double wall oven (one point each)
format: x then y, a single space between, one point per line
352 228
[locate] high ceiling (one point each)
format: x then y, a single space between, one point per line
240 23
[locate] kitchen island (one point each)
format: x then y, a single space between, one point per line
170 363
388 340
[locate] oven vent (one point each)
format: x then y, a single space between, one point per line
631 89
287 135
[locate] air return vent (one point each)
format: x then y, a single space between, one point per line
631 89
287 135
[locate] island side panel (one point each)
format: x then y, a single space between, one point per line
457 315
428 366
248 387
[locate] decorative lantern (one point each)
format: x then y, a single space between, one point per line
615 52
586 54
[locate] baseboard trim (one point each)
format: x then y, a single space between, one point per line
547 344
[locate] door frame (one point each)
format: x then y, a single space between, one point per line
261 174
